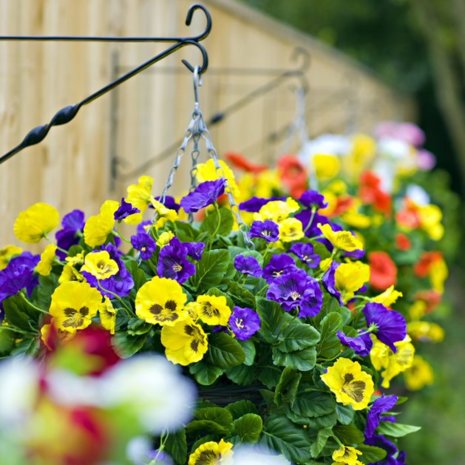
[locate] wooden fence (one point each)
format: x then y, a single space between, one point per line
136 123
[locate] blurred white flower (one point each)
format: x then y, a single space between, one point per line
19 386
327 144
417 194
393 148
255 455
153 389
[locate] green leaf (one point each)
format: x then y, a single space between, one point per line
371 454
19 312
320 442
185 232
248 427
397 430
219 222
7 341
176 446
137 327
211 270
283 436
224 351
298 336
269 376
313 404
241 295
302 360
126 346
287 387
274 320
211 420
329 345
241 408
250 352
138 274
243 375
202 427
345 414
43 292
349 434
205 374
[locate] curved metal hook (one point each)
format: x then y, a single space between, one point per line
190 15
204 66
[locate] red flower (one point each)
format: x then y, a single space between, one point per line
427 259
293 175
408 216
240 162
342 205
431 298
383 271
372 194
403 242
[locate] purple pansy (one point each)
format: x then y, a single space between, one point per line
120 284
390 325
203 195
125 209
329 282
195 249
380 406
279 265
144 243
73 223
310 221
360 344
305 254
173 262
244 323
19 274
312 199
267 230
297 290
393 457
355 254
248 265
254 204
168 202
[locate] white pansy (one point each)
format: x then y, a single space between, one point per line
253 455
417 194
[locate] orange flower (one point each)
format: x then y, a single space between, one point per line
342 205
431 298
403 242
427 259
293 175
372 194
409 216
383 271
240 162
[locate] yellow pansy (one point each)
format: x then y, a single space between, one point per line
44 267
164 238
163 214
7 253
213 310
73 305
290 230
388 297
98 227
425 331
326 166
277 210
75 260
350 277
352 217
108 315
343 240
346 455
161 301
100 265
383 358
185 342
417 310
419 375
70 273
325 264
208 172
351 385
331 200
211 453
140 195
36 222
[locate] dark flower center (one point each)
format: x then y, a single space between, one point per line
353 389
75 317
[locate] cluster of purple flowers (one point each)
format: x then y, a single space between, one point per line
18 275
68 235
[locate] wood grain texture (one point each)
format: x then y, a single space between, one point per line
71 167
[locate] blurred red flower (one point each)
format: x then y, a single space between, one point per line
383 271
